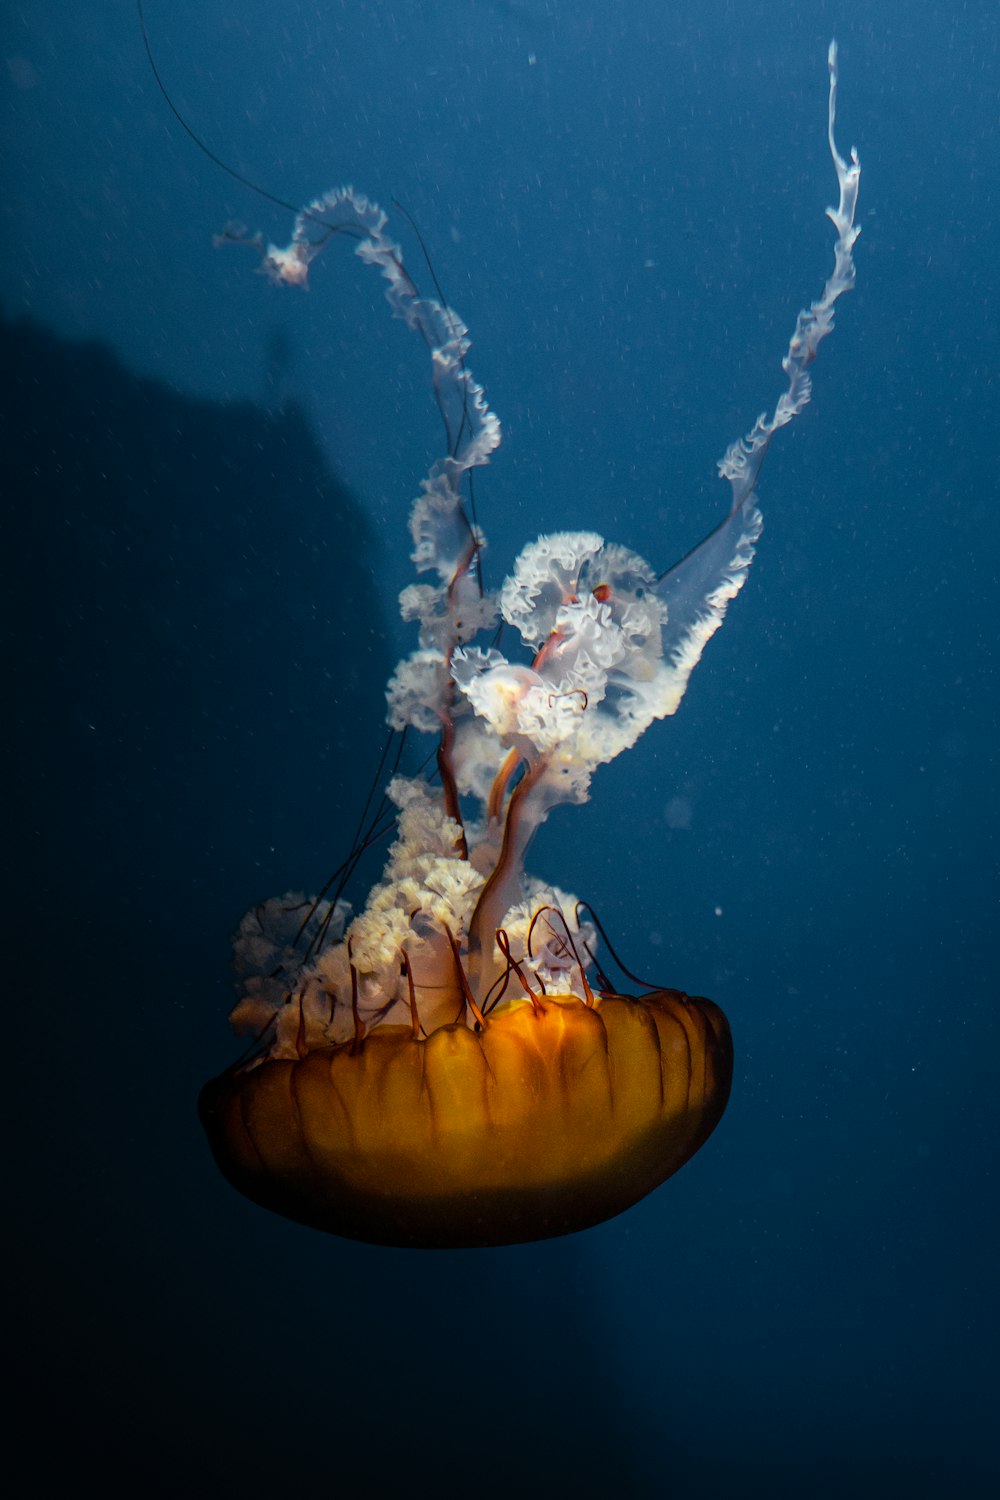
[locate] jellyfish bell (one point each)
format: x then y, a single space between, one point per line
437 1069
549 1118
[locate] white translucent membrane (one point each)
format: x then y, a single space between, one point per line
610 647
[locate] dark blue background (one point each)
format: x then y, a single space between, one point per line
207 508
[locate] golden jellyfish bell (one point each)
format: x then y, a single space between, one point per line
435 1069
551 1117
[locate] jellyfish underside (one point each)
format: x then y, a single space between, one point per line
437 1070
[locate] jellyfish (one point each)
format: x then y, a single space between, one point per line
449 1066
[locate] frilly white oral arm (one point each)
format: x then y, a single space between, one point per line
612 647
698 589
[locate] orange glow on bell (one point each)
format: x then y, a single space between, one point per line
551 1118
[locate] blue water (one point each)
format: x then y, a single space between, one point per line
207 482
